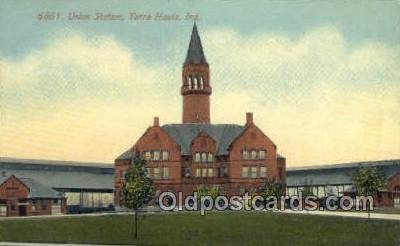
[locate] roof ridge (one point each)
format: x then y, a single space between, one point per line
341 165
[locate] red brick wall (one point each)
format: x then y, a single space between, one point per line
196 109
252 138
394 182
196 103
203 143
44 206
13 191
282 168
153 139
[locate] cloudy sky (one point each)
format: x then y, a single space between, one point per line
321 77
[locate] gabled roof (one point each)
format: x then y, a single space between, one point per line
223 134
61 174
195 54
127 155
36 189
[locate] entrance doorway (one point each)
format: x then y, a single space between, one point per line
22 210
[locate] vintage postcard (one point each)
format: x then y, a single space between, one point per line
199 122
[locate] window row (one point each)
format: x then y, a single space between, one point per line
254 172
43 204
158 172
156 155
209 172
253 154
195 83
203 157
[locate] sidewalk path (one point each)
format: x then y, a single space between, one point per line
346 214
46 244
288 211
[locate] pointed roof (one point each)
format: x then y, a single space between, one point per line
195 54
223 134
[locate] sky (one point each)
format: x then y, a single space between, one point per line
321 77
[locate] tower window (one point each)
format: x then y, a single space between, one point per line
201 83
195 83
189 82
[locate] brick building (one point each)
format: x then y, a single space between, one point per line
26 197
85 186
196 153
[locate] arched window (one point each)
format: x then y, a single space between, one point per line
210 157
197 157
165 155
253 154
261 154
203 157
195 83
201 83
245 154
190 83
156 155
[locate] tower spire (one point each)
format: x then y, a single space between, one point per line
195 54
196 88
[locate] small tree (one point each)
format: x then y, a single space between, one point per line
213 192
137 190
368 181
272 187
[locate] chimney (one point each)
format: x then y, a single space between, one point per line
249 118
156 121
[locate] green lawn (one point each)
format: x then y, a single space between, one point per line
224 228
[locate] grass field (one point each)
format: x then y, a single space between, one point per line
211 229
